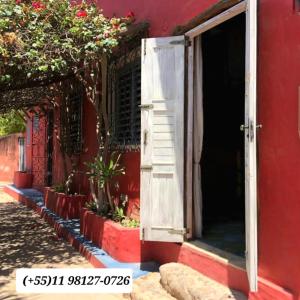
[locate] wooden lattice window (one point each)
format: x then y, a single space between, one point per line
71 121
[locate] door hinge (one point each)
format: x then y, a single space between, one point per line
146 168
145 45
181 231
146 106
186 42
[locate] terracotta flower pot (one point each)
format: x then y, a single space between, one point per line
23 180
65 206
50 198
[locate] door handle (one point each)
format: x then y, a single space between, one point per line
244 127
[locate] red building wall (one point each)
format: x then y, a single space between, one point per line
129 183
9 156
278 141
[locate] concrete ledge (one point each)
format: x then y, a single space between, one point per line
70 231
120 242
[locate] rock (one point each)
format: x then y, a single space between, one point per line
149 288
184 283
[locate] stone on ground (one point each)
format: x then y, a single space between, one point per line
149 288
184 283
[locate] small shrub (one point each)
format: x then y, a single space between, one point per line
127 222
91 205
59 188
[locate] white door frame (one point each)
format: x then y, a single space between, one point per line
250 8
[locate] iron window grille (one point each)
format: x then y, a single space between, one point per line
36 122
71 121
125 93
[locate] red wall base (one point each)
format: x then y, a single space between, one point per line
216 268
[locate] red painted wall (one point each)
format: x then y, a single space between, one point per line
279 143
164 15
129 184
9 156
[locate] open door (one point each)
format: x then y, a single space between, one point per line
250 143
249 127
162 139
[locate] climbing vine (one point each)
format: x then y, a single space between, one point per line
42 40
12 122
45 42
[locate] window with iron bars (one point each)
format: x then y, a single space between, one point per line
126 98
71 122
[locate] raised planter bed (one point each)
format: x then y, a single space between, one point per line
23 180
120 242
65 206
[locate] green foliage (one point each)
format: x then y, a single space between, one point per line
59 188
11 122
91 205
102 172
127 222
119 214
47 38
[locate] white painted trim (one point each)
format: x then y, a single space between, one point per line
250 144
217 20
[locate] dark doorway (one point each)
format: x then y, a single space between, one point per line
222 162
50 127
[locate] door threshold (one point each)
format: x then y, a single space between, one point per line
217 254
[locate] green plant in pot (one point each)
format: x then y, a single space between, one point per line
120 216
101 175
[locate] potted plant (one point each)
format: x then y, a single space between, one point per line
104 220
65 205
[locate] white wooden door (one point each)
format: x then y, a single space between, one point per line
250 143
162 139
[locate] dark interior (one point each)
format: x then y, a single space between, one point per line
223 145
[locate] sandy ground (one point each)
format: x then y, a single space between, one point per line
26 241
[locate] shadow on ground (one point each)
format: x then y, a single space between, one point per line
26 240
